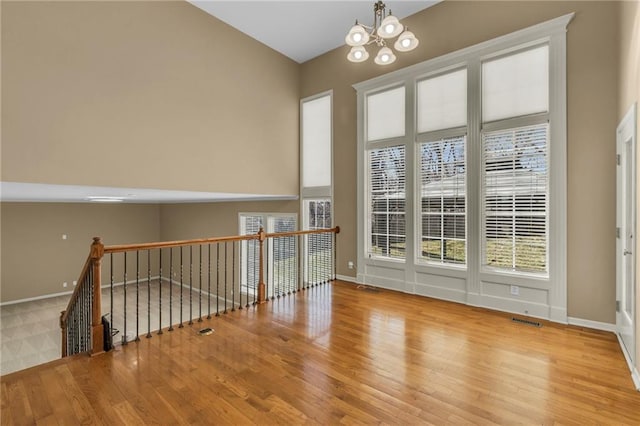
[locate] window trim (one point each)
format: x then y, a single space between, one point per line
552 32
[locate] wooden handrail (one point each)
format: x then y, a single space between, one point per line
166 244
76 291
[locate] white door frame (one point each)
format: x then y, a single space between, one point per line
626 245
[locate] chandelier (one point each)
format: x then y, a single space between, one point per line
384 28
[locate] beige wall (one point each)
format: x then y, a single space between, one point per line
144 94
186 221
628 94
592 96
35 258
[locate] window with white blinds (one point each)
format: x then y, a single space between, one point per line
516 187
385 114
281 251
515 176
316 142
443 201
386 183
317 214
516 85
249 252
442 101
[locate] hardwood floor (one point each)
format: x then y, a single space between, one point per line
337 354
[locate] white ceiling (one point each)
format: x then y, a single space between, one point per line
37 192
303 30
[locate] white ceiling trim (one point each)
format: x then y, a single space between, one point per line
38 192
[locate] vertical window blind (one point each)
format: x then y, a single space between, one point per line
516 187
443 200
387 202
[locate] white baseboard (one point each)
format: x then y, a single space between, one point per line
32 299
346 278
635 376
70 292
596 325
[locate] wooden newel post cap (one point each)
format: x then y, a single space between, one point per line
97 248
337 229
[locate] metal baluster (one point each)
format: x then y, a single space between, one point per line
209 283
288 271
124 327
137 339
239 248
160 291
170 289
233 277
334 242
292 264
276 266
200 280
181 286
148 294
190 285
269 254
217 279
225 276
111 287
256 272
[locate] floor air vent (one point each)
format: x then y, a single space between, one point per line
368 288
526 322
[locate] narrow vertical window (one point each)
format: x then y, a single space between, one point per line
515 190
443 200
515 176
387 202
442 109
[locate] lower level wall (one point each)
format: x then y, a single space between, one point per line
199 220
35 258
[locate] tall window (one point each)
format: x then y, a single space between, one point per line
462 174
442 109
515 161
282 251
387 202
316 161
386 178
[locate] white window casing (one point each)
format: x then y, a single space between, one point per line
514 110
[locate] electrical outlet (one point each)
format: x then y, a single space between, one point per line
350 264
64 236
515 290
64 284
74 283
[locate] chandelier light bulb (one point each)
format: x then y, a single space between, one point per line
406 42
357 36
358 54
390 27
385 57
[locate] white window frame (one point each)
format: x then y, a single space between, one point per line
320 192
402 276
267 224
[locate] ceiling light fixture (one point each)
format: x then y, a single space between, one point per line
384 27
105 199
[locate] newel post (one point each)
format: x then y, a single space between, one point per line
97 332
262 293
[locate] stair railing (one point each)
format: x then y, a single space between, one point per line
192 279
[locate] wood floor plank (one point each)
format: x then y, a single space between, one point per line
334 354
